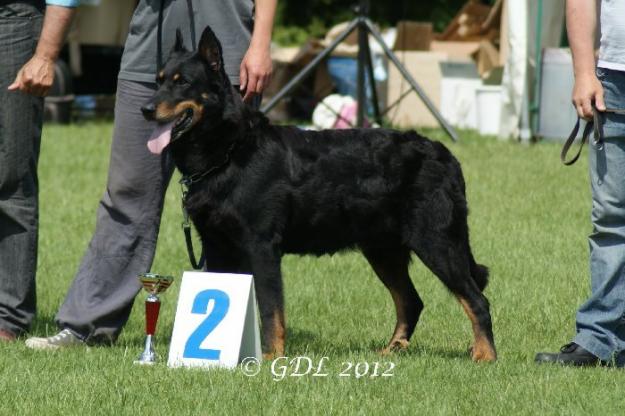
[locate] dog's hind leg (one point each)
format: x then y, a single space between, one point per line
392 269
265 264
447 256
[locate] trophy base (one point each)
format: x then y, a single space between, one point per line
143 362
148 356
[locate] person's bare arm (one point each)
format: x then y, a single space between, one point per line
256 66
581 24
36 76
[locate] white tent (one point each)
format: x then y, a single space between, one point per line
525 21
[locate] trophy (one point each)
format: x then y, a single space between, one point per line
153 284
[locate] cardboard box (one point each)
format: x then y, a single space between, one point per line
455 49
467 25
413 36
426 70
488 63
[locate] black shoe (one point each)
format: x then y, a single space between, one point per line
570 354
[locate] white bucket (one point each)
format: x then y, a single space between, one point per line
488 99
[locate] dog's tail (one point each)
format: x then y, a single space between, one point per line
479 273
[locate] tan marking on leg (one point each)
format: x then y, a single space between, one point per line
276 344
399 340
482 349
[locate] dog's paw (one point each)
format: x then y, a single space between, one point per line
483 354
269 356
396 345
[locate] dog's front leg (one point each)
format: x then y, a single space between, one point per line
268 281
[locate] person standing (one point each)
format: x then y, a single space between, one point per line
600 321
31 37
101 296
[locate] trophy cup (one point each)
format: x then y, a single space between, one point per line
153 284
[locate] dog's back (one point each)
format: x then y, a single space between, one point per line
347 188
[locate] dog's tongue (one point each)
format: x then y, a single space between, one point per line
160 138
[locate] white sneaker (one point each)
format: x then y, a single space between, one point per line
63 339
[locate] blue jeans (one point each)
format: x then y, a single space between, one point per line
601 319
20 135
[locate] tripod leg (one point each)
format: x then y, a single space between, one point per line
446 126
361 93
297 79
374 93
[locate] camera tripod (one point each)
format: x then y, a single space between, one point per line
365 66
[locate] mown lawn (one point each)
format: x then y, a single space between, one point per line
529 221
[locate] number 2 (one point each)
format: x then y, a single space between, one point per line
200 306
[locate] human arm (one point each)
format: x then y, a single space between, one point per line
256 66
581 23
36 76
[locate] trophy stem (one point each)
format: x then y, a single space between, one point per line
152 308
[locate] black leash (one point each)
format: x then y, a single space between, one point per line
595 125
185 184
186 227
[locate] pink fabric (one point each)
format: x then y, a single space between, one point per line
348 115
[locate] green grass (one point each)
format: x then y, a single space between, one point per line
529 221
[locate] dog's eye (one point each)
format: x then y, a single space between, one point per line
181 81
160 78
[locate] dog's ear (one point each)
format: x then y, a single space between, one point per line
209 49
179 45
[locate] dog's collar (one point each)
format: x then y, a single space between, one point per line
187 180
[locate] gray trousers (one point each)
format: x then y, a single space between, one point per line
100 298
20 136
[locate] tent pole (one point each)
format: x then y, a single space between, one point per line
535 106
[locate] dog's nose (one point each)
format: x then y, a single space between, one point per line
148 111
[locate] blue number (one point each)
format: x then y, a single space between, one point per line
200 306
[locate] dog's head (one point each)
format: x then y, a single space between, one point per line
192 87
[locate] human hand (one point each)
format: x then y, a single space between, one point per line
587 90
255 72
35 77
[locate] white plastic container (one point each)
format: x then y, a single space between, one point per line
458 93
488 99
557 116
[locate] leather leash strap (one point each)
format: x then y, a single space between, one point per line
595 125
186 227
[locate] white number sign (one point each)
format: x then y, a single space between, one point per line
216 321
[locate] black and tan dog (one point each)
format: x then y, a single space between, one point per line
259 191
